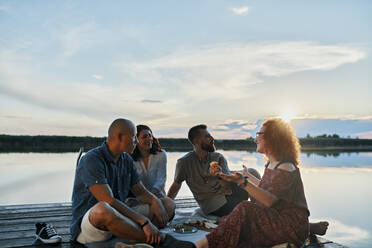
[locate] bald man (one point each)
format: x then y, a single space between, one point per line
103 179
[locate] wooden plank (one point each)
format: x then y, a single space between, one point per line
35 214
34 220
38 205
33 210
62 245
27 241
66 204
5 208
17 222
31 226
29 233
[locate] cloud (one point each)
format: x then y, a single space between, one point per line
67 107
241 10
189 77
228 70
233 129
151 101
359 126
97 76
70 98
75 38
16 117
70 36
169 132
156 116
338 117
235 124
4 8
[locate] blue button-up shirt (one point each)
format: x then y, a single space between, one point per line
98 167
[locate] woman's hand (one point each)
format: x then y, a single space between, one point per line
159 212
236 177
244 171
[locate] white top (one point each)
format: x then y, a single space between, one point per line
156 174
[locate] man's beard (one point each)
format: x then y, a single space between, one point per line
208 147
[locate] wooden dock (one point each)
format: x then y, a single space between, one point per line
17 223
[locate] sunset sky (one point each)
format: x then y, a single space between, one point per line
72 67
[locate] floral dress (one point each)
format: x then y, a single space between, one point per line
254 225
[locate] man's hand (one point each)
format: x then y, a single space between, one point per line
159 212
157 193
152 233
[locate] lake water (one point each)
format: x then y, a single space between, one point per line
337 186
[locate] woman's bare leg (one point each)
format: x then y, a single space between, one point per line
203 243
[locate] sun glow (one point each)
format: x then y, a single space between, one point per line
287 115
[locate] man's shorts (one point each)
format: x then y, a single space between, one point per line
90 233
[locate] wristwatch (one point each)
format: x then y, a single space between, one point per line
244 183
144 224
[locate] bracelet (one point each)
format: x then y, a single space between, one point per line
240 177
244 183
144 224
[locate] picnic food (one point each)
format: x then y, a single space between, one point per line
184 229
214 168
203 224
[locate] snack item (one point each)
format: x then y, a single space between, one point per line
201 223
184 229
214 168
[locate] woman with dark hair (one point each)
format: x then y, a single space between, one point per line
279 213
151 163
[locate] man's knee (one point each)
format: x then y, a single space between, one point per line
254 173
101 213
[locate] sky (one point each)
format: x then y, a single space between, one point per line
72 67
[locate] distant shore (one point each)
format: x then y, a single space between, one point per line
45 143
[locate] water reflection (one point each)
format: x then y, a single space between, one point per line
323 154
335 153
352 236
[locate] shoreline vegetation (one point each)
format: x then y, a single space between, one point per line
51 143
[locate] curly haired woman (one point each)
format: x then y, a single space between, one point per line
279 213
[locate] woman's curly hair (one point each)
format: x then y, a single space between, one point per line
281 140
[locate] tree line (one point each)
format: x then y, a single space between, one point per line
46 143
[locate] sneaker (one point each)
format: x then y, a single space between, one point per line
47 234
139 245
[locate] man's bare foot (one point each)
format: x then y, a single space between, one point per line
319 228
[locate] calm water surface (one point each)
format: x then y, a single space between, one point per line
337 185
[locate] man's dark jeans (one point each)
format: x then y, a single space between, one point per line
238 195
